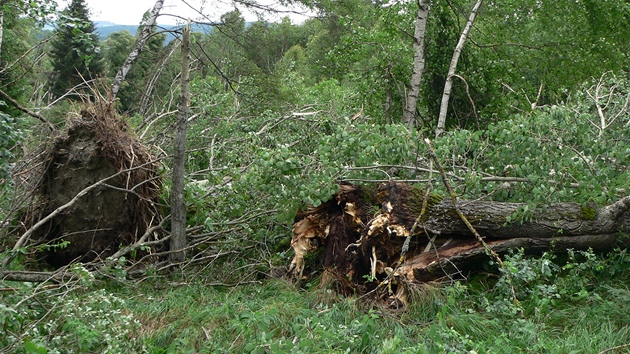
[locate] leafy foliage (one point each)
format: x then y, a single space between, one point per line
558 149
568 43
9 136
19 74
67 321
39 10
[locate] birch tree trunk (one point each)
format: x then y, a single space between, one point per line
178 204
144 35
1 25
409 112
451 69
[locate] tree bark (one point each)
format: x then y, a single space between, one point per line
144 35
448 85
178 204
409 113
1 24
35 277
360 245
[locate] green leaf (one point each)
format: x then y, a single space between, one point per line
31 347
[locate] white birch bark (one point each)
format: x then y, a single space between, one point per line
451 69
144 35
409 112
1 25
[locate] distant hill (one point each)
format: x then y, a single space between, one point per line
105 28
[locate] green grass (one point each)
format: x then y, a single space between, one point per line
578 305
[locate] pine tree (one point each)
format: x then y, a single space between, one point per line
75 53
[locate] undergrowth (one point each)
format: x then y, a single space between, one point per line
574 302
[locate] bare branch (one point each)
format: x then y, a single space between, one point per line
27 111
595 93
142 241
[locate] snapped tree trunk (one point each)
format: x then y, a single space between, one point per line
448 85
178 204
409 113
364 249
143 37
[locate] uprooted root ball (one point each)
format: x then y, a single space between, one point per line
94 147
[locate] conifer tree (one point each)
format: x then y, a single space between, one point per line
75 51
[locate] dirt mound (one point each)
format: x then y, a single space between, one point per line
94 147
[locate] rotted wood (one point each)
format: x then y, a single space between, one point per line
360 232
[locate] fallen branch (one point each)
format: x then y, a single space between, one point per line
142 241
615 348
27 111
36 277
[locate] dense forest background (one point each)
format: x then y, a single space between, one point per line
278 113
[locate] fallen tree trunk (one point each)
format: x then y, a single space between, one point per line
363 247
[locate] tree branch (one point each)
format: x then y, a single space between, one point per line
27 111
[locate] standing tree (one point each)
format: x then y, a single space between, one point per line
146 30
178 203
75 54
451 69
409 114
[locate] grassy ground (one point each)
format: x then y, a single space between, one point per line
578 304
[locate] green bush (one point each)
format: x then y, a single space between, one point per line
9 136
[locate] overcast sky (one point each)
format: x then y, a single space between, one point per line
129 12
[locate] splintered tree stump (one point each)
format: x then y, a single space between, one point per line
361 233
